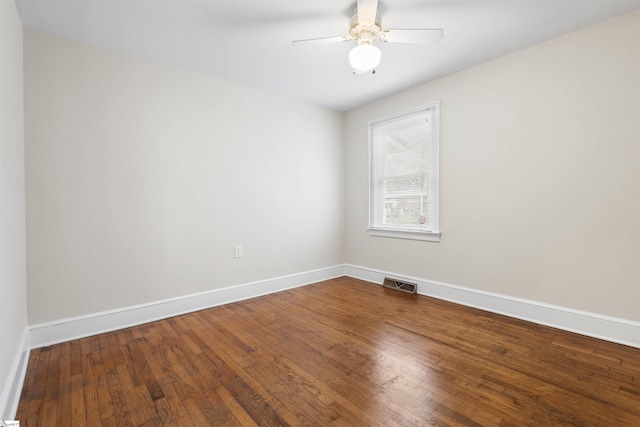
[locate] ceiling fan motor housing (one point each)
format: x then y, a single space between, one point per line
364 34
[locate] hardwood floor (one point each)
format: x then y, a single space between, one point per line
341 352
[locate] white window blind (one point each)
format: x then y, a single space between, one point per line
404 174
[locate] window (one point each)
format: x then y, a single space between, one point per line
404 174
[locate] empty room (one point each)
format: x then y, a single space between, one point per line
353 213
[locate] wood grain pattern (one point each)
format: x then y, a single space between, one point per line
341 352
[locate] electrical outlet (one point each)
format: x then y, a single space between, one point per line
237 252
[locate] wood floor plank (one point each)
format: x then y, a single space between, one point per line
341 352
176 405
63 410
50 406
105 402
76 393
111 357
91 403
29 385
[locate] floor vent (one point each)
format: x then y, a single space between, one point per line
400 285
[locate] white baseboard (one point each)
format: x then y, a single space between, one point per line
595 325
58 331
11 389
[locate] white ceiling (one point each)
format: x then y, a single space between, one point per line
249 41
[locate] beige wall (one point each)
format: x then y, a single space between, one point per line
13 308
141 178
540 184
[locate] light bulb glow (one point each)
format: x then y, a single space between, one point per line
364 57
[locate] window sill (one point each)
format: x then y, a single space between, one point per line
429 236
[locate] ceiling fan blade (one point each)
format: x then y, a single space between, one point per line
367 11
423 35
323 40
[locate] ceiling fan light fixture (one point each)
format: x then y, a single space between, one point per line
364 57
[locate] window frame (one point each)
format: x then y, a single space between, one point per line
409 232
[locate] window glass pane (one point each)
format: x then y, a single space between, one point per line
404 210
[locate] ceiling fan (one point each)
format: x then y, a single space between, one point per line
365 26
